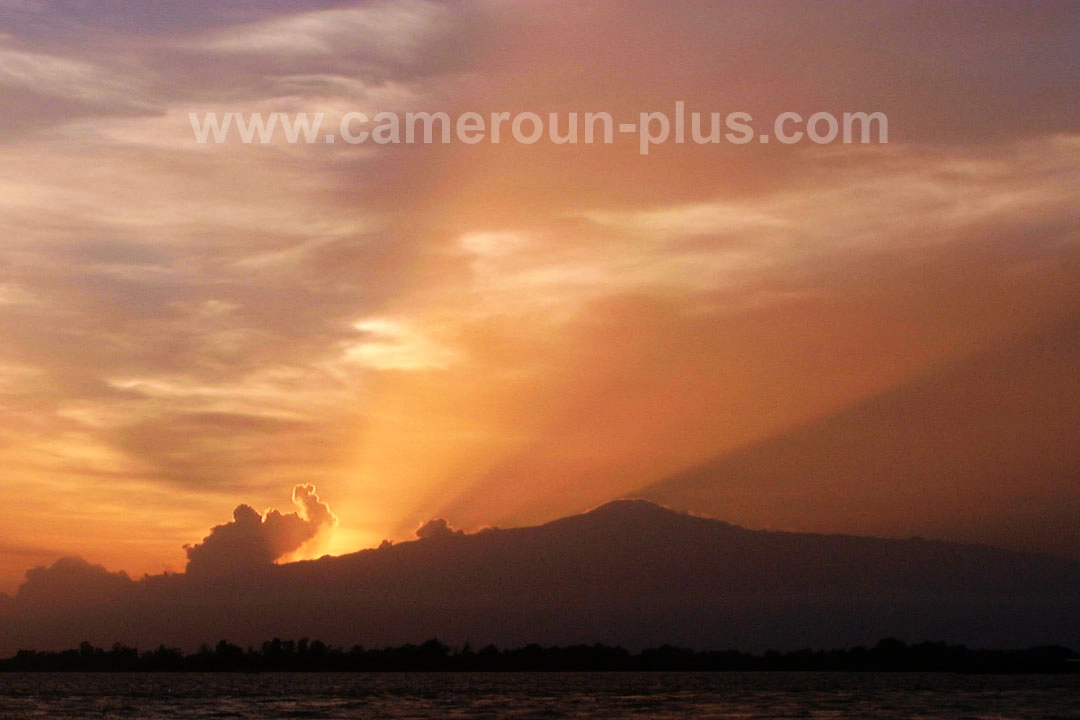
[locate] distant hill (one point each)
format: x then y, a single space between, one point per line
629 573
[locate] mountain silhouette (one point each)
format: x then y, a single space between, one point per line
630 573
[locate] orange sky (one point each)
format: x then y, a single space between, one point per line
503 334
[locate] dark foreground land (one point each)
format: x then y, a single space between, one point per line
889 655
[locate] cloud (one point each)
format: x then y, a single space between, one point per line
392 345
57 76
52 586
392 30
252 540
437 528
40 89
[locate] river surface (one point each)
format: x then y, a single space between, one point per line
865 696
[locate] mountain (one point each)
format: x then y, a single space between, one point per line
629 573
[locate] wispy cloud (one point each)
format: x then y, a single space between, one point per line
71 79
393 345
391 30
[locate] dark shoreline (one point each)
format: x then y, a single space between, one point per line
889 655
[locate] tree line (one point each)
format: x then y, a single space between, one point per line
889 655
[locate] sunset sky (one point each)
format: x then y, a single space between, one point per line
503 334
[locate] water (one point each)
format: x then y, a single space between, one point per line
416 696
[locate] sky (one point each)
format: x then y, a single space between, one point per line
503 334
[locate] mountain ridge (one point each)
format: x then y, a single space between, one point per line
628 573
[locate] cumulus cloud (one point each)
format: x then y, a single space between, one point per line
253 540
53 585
437 528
